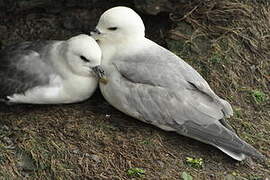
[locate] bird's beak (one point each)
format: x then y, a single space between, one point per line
100 73
95 32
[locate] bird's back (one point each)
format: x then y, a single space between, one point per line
24 66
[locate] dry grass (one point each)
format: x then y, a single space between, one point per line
227 41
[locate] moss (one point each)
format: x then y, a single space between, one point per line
136 172
258 96
194 162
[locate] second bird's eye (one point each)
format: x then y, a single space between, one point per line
112 28
84 59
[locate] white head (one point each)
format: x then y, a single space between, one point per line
119 24
82 53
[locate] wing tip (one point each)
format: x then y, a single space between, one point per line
253 153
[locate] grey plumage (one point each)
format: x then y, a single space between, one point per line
49 72
150 83
159 88
20 67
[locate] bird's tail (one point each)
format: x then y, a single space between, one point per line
221 137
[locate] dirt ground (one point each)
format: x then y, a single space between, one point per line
92 140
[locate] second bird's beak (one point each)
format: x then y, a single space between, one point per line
95 32
100 74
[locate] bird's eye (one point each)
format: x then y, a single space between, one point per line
112 28
84 59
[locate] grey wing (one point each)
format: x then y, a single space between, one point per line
184 112
24 66
159 67
217 135
157 94
160 105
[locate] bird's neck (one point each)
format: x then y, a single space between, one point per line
58 59
108 51
121 48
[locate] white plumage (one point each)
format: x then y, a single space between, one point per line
49 72
150 83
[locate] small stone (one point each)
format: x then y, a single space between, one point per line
76 151
7 140
253 68
95 158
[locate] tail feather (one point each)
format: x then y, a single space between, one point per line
221 137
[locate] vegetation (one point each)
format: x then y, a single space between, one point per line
136 172
258 96
195 163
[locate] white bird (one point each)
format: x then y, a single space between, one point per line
49 72
150 83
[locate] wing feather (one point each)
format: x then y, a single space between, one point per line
150 67
170 94
22 67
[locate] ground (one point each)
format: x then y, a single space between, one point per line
227 42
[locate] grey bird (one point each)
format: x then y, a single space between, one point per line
150 83
49 72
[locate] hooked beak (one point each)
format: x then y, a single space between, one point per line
95 32
100 73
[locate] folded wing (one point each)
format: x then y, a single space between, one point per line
159 88
24 66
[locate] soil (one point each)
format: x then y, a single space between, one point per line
92 140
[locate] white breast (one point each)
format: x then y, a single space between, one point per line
58 91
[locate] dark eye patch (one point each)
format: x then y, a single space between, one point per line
84 59
112 28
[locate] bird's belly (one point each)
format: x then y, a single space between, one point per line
39 95
81 89
60 92
110 92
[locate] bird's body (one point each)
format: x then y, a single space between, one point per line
153 85
41 72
